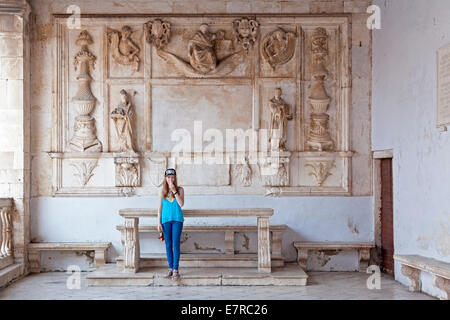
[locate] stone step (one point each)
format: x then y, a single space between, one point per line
111 275
10 273
205 260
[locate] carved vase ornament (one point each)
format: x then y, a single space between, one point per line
121 117
202 54
318 137
124 50
280 114
84 138
278 47
245 32
158 33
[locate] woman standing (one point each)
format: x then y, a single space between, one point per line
170 220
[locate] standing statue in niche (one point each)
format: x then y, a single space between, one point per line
201 49
278 122
121 116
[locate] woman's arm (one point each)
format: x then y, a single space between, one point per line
159 207
180 196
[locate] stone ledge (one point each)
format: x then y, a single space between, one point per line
10 273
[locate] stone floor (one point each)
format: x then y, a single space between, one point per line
321 285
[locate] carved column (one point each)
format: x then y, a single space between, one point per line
318 137
229 242
264 260
414 275
444 285
363 258
6 228
276 243
302 257
100 258
131 249
34 258
84 138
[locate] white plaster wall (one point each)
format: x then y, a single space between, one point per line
404 119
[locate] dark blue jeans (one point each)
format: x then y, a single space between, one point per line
172 233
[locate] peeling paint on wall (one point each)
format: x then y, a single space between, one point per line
352 227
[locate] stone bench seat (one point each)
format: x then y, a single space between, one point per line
229 230
412 265
363 248
130 235
34 251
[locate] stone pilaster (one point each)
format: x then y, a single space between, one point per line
15 121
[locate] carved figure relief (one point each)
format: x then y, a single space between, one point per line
202 55
121 116
244 173
280 114
83 170
321 170
278 47
124 50
158 33
84 138
245 32
318 137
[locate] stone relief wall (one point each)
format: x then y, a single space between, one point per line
131 92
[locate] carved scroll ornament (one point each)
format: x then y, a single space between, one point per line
245 32
158 33
278 47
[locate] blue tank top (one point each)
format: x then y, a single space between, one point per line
171 211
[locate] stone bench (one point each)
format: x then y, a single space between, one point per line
229 230
34 251
412 265
303 249
131 233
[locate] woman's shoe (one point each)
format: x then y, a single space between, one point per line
168 274
175 275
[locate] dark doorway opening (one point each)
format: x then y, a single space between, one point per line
387 217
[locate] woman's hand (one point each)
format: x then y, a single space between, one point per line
172 187
159 227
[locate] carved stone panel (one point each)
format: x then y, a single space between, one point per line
124 50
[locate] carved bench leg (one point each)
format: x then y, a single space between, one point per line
264 260
229 242
302 257
363 259
132 250
276 243
444 285
34 257
414 275
100 257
